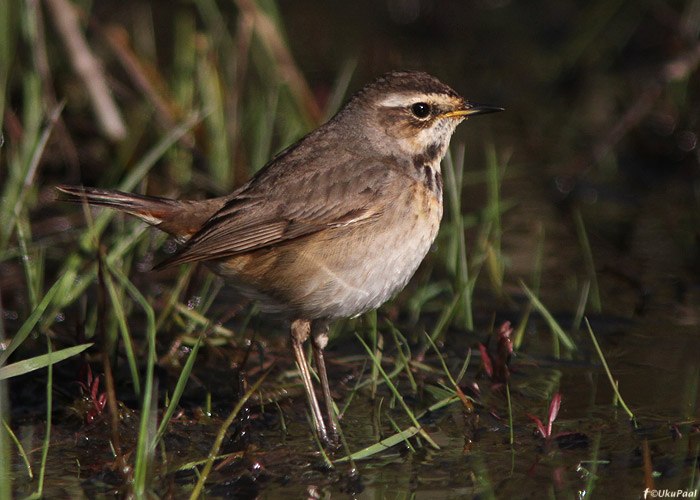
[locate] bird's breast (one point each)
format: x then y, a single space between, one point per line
344 271
363 267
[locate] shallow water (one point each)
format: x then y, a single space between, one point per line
475 458
566 73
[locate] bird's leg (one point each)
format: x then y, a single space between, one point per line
300 332
319 340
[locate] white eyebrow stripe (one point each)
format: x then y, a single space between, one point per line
399 100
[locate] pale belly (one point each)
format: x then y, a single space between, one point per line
341 272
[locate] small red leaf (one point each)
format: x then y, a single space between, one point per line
101 401
540 425
553 412
486 360
95 387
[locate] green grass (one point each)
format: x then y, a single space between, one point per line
205 96
377 362
214 452
611 379
199 124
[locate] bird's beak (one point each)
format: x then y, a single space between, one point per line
471 108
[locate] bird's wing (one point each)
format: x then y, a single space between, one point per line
272 209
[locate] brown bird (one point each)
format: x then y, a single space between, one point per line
331 227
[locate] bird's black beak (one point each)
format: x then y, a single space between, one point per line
471 109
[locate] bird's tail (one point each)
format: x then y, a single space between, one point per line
150 209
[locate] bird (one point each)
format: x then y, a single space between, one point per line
331 227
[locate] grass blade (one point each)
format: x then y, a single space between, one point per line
609 373
220 437
120 314
588 263
31 321
397 394
49 412
143 447
553 325
383 445
458 391
22 453
177 393
38 362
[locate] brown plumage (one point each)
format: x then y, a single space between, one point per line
332 226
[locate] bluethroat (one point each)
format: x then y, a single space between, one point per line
331 227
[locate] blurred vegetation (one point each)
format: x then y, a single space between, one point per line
587 189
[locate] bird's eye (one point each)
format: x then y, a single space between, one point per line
420 109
